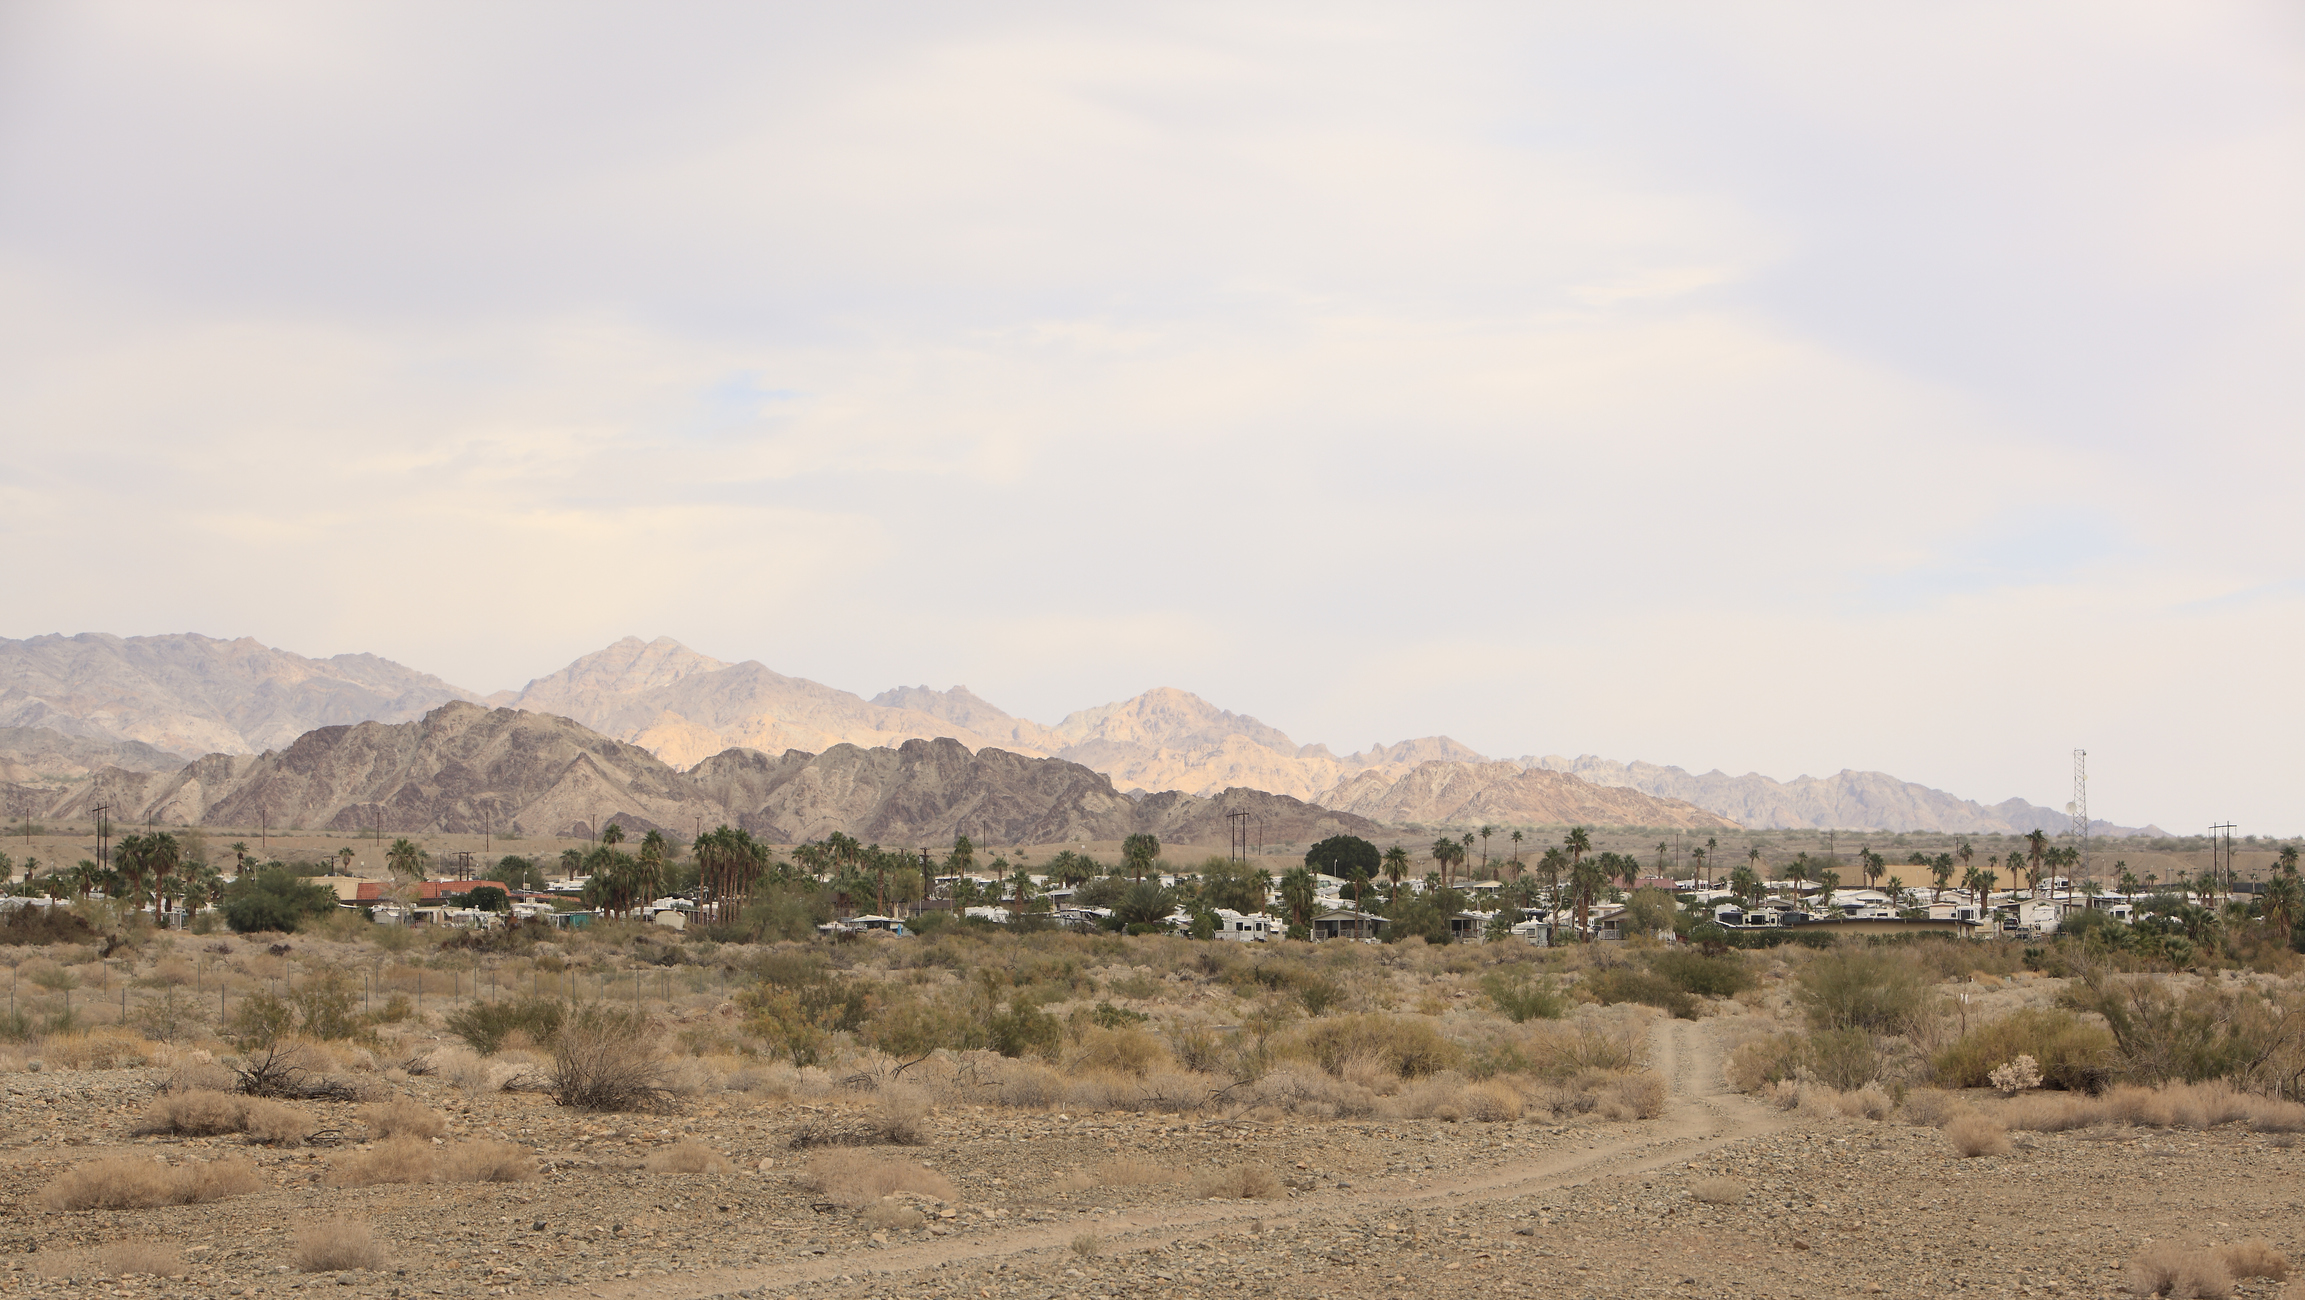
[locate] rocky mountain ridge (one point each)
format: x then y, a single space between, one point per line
184 695
1846 800
465 768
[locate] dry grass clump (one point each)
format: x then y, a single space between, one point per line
334 1245
686 1158
2180 1272
1717 1191
852 1177
394 1160
1088 1245
1975 1135
136 1183
891 1214
412 1160
903 1116
2255 1257
1240 1183
109 1048
1933 1107
1631 1096
2175 1105
198 1112
401 1117
202 1112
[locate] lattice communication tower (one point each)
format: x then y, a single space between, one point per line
2081 805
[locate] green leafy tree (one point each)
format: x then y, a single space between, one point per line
274 898
1235 886
1341 855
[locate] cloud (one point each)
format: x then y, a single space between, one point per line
1909 389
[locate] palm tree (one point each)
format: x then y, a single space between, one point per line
1396 868
1896 889
1940 871
1798 873
1712 846
2292 851
1586 880
1486 832
611 836
2036 849
2127 879
1753 859
344 855
1579 843
1964 853
1745 885
239 856
1699 856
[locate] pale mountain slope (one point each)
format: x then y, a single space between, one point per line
45 754
967 711
1472 794
684 707
1847 800
193 694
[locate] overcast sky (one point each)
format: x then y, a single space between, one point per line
1764 387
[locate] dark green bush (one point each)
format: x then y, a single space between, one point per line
1523 995
1874 989
274 898
1694 972
484 1025
1613 984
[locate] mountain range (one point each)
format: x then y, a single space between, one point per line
181 696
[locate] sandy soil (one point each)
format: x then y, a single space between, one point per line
1832 1207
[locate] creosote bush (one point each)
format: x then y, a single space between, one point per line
403 1117
604 1059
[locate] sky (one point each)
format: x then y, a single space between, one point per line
1779 388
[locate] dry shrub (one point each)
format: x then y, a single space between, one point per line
394 1160
2255 1257
903 1116
1088 1245
136 1183
1933 1107
1717 1191
1975 1135
109 1048
1133 1171
1769 1058
2175 1105
854 1178
2180 1272
199 1071
124 1257
1118 1051
334 1245
200 1112
1492 1102
605 1060
275 1122
891 1214
402 1116
1073 1180
485 1160
1868 1102
686 1158
2067 1052
1409 1047
1240 1183
1612 1042
1631 1096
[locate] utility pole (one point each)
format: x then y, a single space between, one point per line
1238 822
2080 806
2226 829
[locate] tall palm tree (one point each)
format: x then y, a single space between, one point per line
1940 871
2127 880
405 858
1586 880
1712 846
2292 851
1396 868
1578 842
1486 832
1798 873
2036 850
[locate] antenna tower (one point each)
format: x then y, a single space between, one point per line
2081 805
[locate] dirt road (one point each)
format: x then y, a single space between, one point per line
1701 1116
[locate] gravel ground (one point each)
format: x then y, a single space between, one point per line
1831 1207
